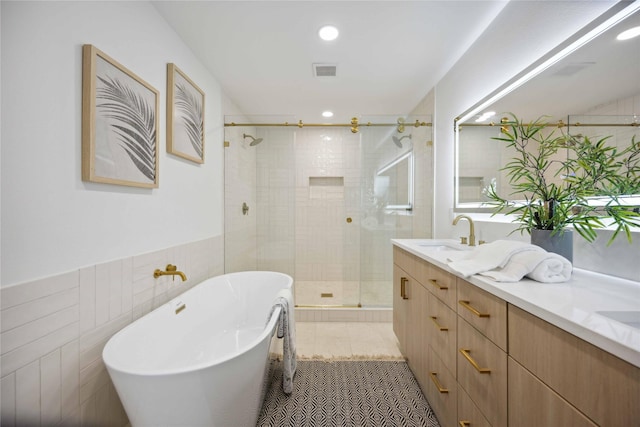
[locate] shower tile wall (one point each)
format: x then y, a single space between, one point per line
54 330
240 187
275 200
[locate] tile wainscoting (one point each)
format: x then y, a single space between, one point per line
53 331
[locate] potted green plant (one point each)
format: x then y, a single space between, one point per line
555 178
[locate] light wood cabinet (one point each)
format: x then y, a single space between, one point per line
441 283
603 387
441 390
468 413
441 323
400 307
485 312
533 404
409 306
482 373
483 362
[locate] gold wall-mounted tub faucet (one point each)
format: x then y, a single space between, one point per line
170 270
472 234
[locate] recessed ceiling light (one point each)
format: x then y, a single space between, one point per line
327 114
629 34
328 33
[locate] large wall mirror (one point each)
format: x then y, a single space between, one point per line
593 90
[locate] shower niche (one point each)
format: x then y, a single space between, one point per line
327 202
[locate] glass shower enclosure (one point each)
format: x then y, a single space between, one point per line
321 203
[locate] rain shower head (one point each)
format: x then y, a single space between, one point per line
398 141
254 141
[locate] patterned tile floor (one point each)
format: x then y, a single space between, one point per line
346 340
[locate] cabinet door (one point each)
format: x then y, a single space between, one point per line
603 387
533 404
416 349
400 304
482 372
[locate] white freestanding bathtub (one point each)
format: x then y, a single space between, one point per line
203 358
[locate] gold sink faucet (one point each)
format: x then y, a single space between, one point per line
472 235
171 270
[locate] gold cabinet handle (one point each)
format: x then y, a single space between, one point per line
435 283
470 359
435 322
472 309
464 423
403 289
434 378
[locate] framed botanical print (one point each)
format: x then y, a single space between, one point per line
185 116
119 123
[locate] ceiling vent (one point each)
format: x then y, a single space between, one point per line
572 69
325 70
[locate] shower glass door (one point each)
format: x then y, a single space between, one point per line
322 203
395 167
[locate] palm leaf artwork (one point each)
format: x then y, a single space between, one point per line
134 122
190 107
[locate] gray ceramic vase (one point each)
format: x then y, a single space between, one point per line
560 243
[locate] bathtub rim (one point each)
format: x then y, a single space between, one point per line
269 330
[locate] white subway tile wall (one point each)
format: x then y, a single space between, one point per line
54 330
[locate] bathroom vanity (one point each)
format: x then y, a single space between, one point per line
517 354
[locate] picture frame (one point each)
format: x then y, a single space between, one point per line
120 132
185 116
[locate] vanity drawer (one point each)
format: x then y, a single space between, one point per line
468 413
441 283
603 387
441 390
442 326
482 372
533 404
485 312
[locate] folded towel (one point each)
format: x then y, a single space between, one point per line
541 266
286 330
488 256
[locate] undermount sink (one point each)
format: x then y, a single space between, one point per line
630 318
442 245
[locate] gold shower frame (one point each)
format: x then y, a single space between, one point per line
354 124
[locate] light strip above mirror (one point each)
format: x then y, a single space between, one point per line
549 60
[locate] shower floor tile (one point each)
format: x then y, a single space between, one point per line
346 340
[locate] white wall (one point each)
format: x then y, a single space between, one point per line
522 33
52 221
81 255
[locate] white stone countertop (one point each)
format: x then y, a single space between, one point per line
574 306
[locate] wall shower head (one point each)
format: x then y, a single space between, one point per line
398 141
254 141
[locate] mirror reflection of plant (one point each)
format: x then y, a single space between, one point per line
590 169
607 171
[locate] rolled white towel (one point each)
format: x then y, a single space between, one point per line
554 269
541 266
489 256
